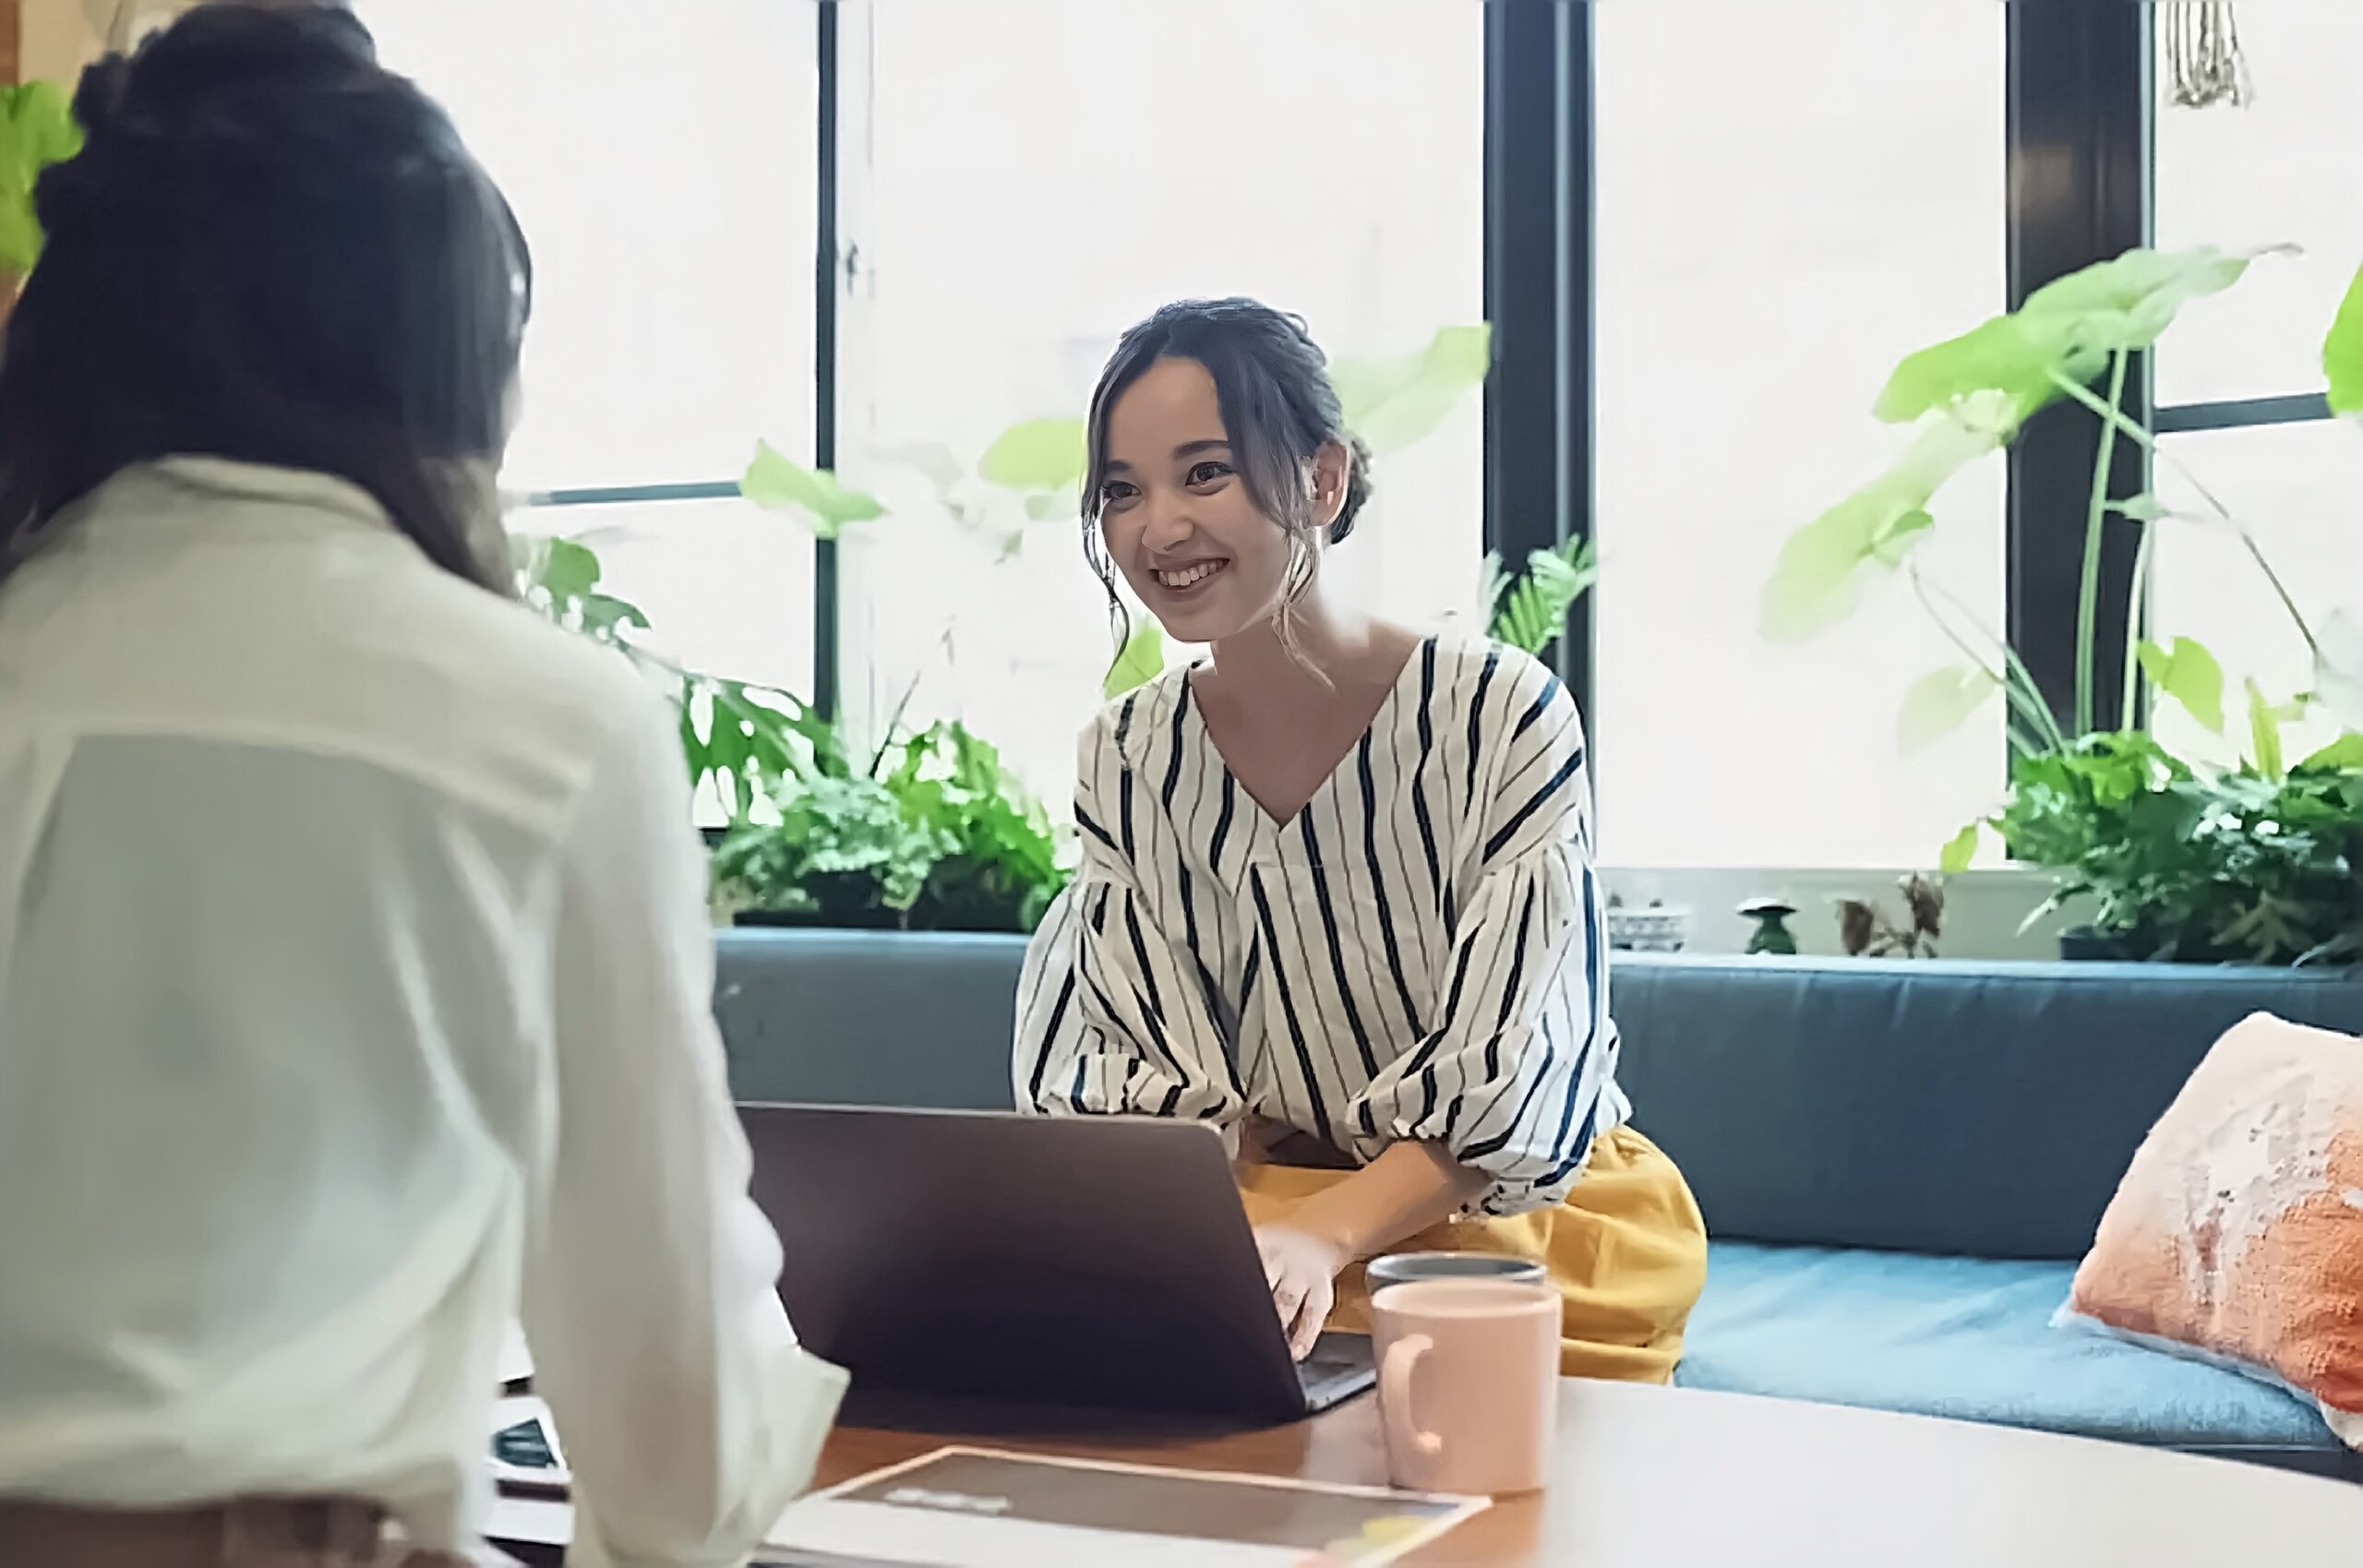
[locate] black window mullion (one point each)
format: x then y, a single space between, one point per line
825 588
2079 127
1538 295
2236 413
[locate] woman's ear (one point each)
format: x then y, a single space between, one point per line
1332 465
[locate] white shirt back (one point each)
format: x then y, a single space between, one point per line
354 979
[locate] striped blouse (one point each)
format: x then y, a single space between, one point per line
1419 954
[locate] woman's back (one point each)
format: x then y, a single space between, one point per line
355 977
283 806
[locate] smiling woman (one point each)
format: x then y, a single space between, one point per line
1336 895
1199 438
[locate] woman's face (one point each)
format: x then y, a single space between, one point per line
1177 517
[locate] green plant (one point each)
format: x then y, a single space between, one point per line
1530 612
998 867
37 129
2247 861
932 831
842 849
929 829
2197 864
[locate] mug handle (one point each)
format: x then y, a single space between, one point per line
1394 1396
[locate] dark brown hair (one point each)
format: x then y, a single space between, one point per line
1279 411
270 249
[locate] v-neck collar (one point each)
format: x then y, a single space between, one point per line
1421 655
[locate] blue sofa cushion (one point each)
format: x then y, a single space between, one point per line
1971 1338
867 1018
1985 1111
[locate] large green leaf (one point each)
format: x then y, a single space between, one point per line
2264 731
37 129
2188 674
1041 454
567 570
2342 352
1392 403
2068 328
1141 661
1960 851
776 482
2343 755
1818 577
1941 702
2004 355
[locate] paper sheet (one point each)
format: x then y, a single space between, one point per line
975 1508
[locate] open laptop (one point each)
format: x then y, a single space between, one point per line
1030 1261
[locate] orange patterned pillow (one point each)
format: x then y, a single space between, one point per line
2237 1232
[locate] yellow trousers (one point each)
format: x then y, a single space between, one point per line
1626 1252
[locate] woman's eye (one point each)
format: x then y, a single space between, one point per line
1208 471
1115 493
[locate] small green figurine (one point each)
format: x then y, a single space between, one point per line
1770 935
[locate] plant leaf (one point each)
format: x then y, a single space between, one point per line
2144 507
1391 404
2264 731
569 571
2068 328
1941 702
1819 576
37 129
1041 454
2342 352
776 482
1493 581
1533 614
2190 676
1960 851
1141 661
2343 755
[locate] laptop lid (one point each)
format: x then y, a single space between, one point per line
1103 1261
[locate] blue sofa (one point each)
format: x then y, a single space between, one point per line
1899 1162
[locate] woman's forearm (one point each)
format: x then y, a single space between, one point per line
1402 1192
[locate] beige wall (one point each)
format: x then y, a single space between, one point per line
56 37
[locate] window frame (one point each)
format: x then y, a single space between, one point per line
2081 117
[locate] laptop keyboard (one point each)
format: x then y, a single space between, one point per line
1332 1357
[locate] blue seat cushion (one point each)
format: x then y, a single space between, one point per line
1971 1339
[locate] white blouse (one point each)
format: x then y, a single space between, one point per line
1419 954
356 990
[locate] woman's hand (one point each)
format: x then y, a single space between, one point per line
1301 1267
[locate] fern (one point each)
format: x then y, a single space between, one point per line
1530 611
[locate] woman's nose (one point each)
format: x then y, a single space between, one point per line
1168 524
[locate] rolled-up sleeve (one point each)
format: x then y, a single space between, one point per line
689 1415
1509 1080
1116 1013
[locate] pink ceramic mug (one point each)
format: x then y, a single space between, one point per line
1468 1384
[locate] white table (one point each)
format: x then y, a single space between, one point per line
1651 1478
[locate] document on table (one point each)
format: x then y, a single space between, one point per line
975 1508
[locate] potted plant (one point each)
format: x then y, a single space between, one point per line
2252 860
934 833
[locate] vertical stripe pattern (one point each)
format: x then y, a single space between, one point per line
1419 954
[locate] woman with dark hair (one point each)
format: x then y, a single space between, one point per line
356 975
1337 893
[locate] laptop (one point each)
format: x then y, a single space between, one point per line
1035 1261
